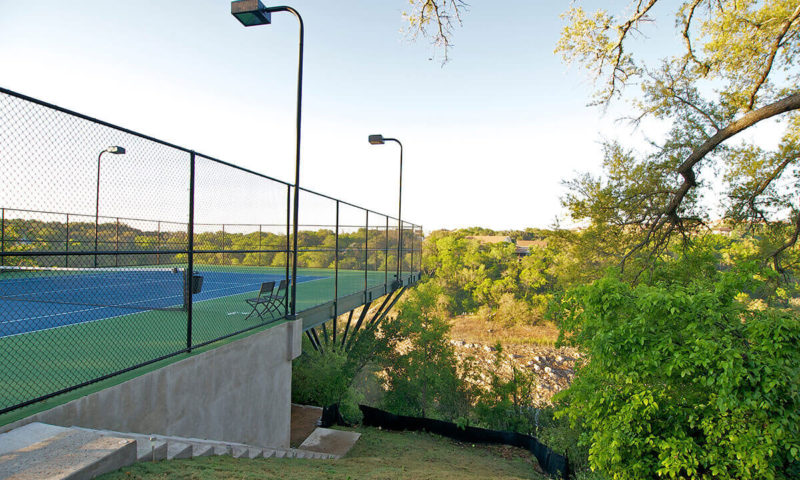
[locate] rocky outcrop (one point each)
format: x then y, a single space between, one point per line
553 367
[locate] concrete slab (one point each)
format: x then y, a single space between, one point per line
326 440
68 455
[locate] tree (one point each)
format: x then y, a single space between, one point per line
681 380
734 68
435 20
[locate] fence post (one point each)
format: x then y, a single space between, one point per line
158 244
413 235
66 245
3 237
116 244
386 259
190 254
366 253
336 274
288 244
259 245
223 244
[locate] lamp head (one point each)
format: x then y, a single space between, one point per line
115 150
376 140
250 12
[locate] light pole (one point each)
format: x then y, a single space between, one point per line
116 150
380 140
251 13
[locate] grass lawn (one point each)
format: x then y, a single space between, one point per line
377 455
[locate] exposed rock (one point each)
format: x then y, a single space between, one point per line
553 368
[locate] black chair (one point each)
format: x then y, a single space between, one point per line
278 303
262 303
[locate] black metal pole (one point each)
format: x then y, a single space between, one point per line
297 157
158 244
366 253
411 263
294 12
188 283
386 258
3 237
116 244
398 282
336 274
288 216
97 207
66 245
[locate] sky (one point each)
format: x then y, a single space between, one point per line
488 137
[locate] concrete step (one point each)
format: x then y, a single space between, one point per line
202 451
178 450
203 447
150 450
38 451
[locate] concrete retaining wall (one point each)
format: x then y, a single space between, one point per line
238 392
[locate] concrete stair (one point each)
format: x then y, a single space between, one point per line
38 451
42 452
184 447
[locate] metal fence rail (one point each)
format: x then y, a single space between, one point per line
110 261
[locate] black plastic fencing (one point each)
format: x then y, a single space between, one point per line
118 250
550 461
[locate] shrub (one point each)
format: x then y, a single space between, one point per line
682 381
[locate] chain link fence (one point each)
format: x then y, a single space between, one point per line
118 250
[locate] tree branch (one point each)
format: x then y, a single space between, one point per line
787 104
776 45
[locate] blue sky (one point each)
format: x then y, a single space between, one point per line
488 137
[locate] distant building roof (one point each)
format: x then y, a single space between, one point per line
524 246
490 238
532 243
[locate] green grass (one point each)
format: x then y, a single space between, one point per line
377 455
38 363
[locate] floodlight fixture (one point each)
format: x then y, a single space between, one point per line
251 12
376 140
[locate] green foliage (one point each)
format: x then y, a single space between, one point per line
508 403
319 379
683 381
733 65
493 277
423 377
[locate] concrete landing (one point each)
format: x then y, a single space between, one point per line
333 442
43 452
305 419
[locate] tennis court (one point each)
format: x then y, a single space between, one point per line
34 299
98 226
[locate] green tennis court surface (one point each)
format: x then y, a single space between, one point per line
43 361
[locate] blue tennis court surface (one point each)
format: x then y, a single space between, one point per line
39 300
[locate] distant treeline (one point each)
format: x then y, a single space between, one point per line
167 243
